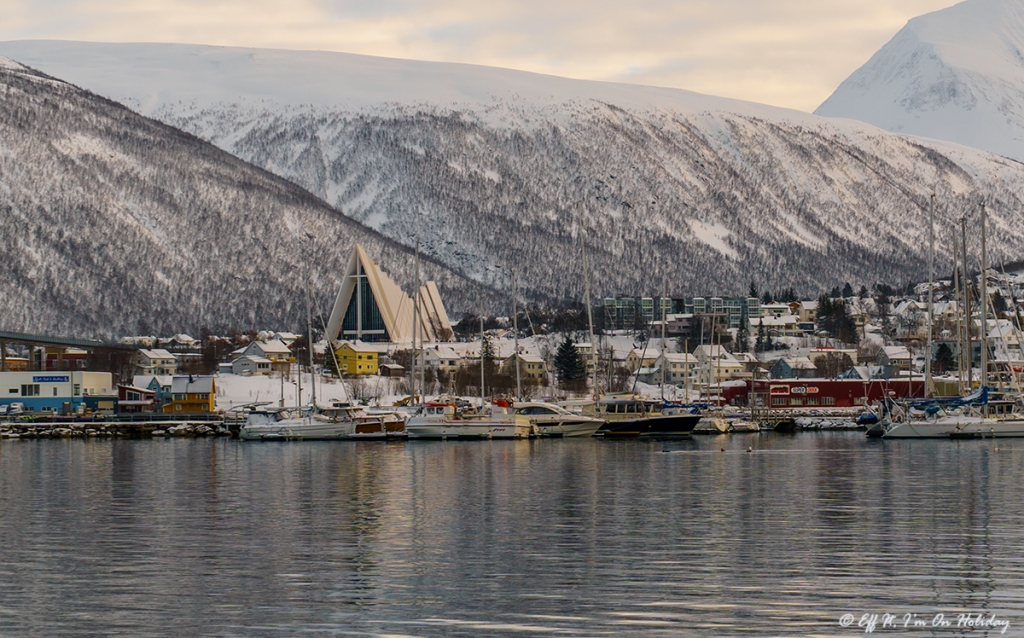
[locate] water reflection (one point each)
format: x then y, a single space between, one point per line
680 537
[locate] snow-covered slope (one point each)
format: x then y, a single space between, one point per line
955 74
113 223
492 169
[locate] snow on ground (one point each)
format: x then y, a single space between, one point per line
233 391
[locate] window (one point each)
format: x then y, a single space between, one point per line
828 401
78 389
778 401
177 407
179 397
14 391
55 391
204 397
795 401
30 390
812 400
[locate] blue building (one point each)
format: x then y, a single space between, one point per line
57 391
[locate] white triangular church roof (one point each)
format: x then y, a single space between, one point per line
396 307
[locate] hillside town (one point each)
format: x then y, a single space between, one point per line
857 345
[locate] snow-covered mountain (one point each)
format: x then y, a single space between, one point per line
955 74
113 223
494 169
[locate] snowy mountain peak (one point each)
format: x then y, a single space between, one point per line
955 74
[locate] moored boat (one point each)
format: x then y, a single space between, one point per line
555 421
452 421
628 415
336 423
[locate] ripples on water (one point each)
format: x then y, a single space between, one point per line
545 537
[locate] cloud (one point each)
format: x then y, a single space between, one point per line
783 52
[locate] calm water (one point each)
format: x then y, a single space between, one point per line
548 537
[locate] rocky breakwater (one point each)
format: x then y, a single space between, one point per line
134 430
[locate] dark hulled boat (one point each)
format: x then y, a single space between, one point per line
632 416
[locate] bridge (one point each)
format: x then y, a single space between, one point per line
61 343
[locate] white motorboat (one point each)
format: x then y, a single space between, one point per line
451 421
554 421
937 427
325 424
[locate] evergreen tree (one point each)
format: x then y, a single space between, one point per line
944 360
742 335
999 304
569 366
759 342
847 291
752 293
836 293
863 294
487 356
331 361
766 297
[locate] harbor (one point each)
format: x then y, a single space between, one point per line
578 536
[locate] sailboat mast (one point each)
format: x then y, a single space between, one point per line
686 365
931 298
415 323
968 337
959 319
664 360
590 317
309 335
515 329
983 294
482 401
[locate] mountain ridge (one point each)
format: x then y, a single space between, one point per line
707 192
120 224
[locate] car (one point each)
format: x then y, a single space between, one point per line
3 409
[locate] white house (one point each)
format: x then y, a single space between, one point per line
250 365
154 362
641 358
716 364
275 351
442 358
678 367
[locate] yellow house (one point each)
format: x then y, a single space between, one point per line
191 394
355 357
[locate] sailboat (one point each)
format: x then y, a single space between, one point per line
336 423
973 416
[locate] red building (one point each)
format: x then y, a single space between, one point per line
779 394
58 359
131 399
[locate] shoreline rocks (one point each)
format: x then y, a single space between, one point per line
15 430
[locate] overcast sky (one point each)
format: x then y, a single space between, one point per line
783 52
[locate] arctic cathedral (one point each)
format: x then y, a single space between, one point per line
373 309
